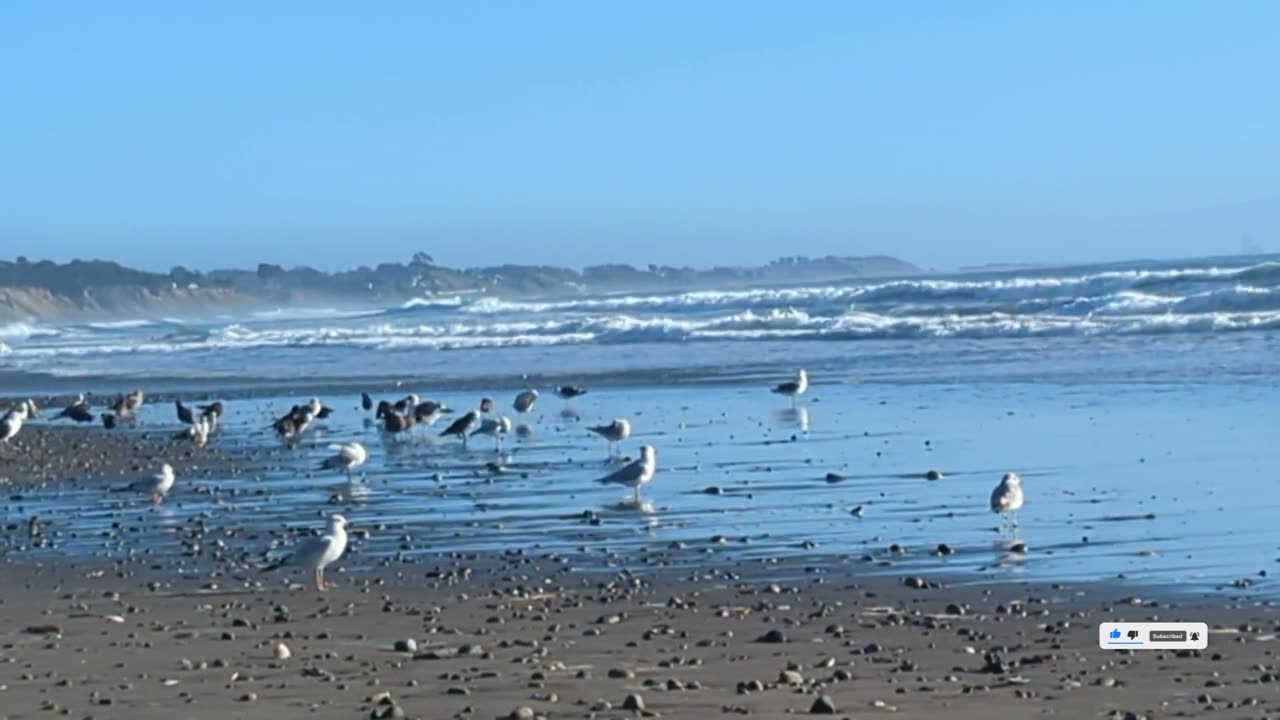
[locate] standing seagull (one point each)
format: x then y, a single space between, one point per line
13 420
1007 498
615 432
157 486
348 458
318 552
498 427
637 473
463 426
525 401
795 388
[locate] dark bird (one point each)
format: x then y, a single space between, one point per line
569 392
185 414
78 411
212 410
406 404
463 426
366 402
486 405
395 423
428 412
384 408
299 419
525 401
109 421
324 412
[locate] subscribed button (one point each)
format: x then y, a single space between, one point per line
1167 635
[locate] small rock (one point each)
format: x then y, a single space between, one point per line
522 713
824 705
283 652
772 637
633 702
934 475
790 677
409 646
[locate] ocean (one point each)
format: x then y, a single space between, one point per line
1137 401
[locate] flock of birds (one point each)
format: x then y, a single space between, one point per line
399 419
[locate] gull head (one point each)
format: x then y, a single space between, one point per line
1012 479
166 471
649 455
337 522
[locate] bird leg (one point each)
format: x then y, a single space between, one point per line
320 579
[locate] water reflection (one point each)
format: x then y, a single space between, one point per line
797 417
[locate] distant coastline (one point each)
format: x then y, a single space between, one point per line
45 291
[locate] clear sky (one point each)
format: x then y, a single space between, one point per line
683 132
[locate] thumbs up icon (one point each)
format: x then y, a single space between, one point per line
1115 633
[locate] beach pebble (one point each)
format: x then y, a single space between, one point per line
773 636
410 645
522 713
621 674
934 475
633 702
824 705
283 652
790 677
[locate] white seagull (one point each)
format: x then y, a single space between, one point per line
316 553
499 427
158 485
637 473
615 432
795 388
13 420
1007 498
349 457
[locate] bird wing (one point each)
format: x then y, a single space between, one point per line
625 476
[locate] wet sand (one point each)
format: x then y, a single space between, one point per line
486 636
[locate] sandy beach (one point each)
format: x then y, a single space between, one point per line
487 636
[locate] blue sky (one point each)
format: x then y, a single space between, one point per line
333 134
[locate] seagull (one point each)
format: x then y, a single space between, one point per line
569 392
486 406
636 473
795 388
1007 498
186 415
428 412
525 401
133 400
157 486
316 553
348 458
299 418
462 426
366 402
78 410
12 422
615 432
197 433
498 427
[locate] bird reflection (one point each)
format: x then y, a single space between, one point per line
796 416
637 507
1010 553
524 432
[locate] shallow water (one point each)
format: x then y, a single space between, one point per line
1160 483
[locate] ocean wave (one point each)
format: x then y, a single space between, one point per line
630 329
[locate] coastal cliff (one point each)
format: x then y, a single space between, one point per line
49 291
